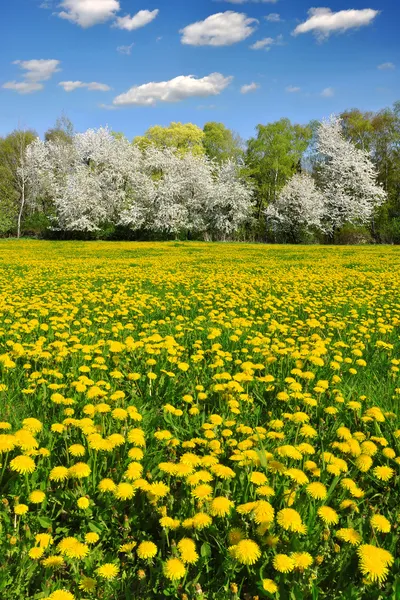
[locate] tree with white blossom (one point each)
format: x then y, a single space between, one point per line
347 179
298 209
100 179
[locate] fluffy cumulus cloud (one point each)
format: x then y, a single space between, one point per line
88 12
387 66
220 29
38 69
93 86
266 43
23 87
174 90
323 21
293 89
142 18
35 71
249 87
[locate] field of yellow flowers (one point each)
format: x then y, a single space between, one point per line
198 421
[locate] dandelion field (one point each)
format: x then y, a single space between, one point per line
199 421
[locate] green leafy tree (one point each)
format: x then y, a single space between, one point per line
185 137
13 178
221 143
273 156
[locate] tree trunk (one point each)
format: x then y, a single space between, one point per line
21 209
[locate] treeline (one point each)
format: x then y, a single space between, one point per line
337 181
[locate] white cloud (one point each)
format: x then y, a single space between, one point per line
93 86
323 21
274 18
88 12
142 18
174 90
292 89
250 87
125 49
388 66
38 69
328 92
266 43
35 71
23 87
221 29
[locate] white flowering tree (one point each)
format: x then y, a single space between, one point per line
347 179
230 204
100 179
299 208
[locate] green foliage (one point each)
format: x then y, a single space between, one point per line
273 156
185 137
220 143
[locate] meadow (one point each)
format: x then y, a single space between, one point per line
199 421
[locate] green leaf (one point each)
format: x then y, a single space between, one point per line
45 522
94 527
205 550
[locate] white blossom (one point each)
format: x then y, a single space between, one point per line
299 207
347 178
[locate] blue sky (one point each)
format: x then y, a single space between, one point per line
336 60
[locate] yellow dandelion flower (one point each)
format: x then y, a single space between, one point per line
202 492
108 571
302 560
77 450
383 473
80 470
44 539
246 552
380 523
349 535
36 553
283 563
146 550
107 485
92 537
174 569
53 562
187 551
328 515
317 490
61 595
23 464
269 586
21 509
37 497
201 520
124 491
290 520
221 506
374 562
59 474
83 503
